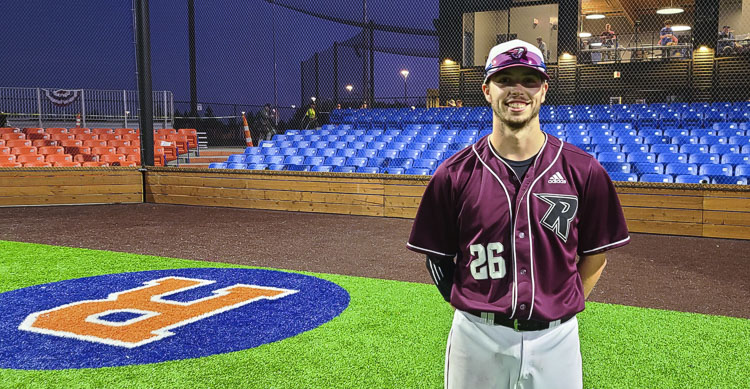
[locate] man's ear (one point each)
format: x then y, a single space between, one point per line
545 87
486 92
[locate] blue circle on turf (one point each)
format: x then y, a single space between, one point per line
263 321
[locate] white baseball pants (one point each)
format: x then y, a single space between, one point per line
485 356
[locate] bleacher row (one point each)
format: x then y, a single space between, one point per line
69 147
633 143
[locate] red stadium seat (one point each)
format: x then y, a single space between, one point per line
25 158
118 143
2 142
181 141
47 150
10 164
192 135
23 150
110 137
124 131
86 157
8 130
103 150
113 159
37 164
102 131
80 130
166 131
87 136
4 150
56 130
18 143
7 158
59 158
95 143
61 136
14 135
131 137
66 164
44 142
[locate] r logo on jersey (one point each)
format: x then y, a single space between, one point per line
561 212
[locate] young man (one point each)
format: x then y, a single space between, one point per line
502 223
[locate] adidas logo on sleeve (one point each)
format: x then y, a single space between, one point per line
557 178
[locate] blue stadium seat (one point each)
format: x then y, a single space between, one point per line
344 169
257 166
664 148
729 180
699 132
736 159
466 138
638 156
392 132
368 169
738 116
273 159
335 161
692 119
284 144
694 148
575 128
347 152
356 145
647 167
618 176
307 152
621 133
236 158
742 170
669 119
326 152
648 119
681 140
388 153
217 165
607 147
288 151
275 166
598 126
672 132
681 168
374 132
314 161
709 118
401 162
633 148
432 154
578 140
376 145
627 139
266 143
321 144
294 160
692 179
394 170
328 138
724 149
611 157
252 150
644 132
425 163
421 146
716 169
712 140
593 133
657 178
367 153
409 154
739 140
416 171
438 146
671 158
621 126
621 167
404 138
553 128
385 138
656 139
745 149
356 161
730 132
296 168
701 158
269 151
725 126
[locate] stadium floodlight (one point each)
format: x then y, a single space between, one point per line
584 34
671 10
294 106
680 27
350 87
313 98
595 16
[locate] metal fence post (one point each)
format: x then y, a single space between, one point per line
125 106
165 109
39 105
83 109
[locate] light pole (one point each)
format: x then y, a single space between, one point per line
405 73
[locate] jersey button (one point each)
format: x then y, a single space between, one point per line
521 235
522 307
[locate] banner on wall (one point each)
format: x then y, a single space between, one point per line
62 97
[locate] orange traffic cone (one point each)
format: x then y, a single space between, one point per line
248 138
78 120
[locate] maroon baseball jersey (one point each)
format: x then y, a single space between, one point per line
516 242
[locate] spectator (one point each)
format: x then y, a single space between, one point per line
267 123
451 103
609 39
543 48
459 103
338 106
364 105
667 37
312 116
726 44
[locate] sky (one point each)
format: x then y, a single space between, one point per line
88 44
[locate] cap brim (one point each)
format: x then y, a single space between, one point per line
495 70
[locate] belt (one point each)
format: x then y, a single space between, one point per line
516 324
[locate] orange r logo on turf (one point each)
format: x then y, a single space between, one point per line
83 319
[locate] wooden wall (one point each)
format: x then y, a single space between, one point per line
61 186
676 209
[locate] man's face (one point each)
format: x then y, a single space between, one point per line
516 94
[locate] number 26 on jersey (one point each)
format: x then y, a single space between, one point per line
487 263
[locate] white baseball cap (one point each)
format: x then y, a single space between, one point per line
515 53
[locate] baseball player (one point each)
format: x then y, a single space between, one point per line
501 223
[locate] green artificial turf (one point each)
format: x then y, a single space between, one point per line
392 335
